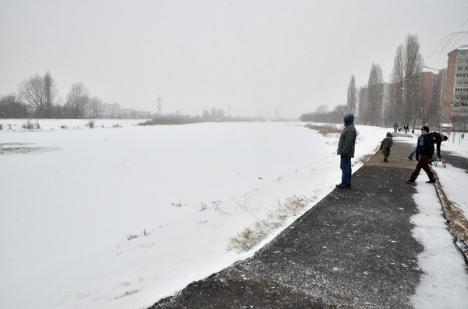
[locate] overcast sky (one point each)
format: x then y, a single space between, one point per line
254 56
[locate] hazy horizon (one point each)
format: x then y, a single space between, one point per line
257 57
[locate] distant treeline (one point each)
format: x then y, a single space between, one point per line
36 97
411 96
321 115
214 116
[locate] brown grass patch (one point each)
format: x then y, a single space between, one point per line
456 220
324 129
250 236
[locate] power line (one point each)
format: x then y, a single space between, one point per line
449 40
426 67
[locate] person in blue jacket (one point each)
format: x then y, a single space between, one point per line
424 153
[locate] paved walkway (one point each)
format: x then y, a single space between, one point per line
354 249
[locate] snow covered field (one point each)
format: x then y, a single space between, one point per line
57 124
119 217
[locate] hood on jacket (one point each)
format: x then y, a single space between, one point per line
348 119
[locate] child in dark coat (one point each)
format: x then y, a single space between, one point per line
385 146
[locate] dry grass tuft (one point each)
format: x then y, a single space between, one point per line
456 220
251 236
324 129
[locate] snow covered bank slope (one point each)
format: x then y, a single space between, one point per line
116 218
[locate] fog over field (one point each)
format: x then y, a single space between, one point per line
248 58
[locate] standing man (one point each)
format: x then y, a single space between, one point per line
395 127
424 153
346 151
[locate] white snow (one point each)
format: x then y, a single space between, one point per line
457 145
65 124
444 283
454 181
445 280
120 217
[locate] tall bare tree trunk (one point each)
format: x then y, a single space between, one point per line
375 94
413 67
351 101
398 77
49 93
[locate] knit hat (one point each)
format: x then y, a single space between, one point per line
348 119
425 128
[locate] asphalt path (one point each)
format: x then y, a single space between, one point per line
354 249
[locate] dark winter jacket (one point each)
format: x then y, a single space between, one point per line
425 146
437 138
385 145
347 138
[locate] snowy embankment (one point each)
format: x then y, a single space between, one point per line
119 217
452 179
65 124
455 179
444 283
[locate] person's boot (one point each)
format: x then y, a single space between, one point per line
433 180
342 186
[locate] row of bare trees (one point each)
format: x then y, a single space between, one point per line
322 114
39 92
406 100
37 97
405 103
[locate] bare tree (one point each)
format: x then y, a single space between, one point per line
32 92
49 94
362 110
338 113
95 107
375 95
322 109
398 78
11 107
77 100
351 101
39 93
413 67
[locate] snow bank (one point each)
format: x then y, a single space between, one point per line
119 217
56 124
444 283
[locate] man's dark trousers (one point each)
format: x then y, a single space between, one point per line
424 164
345 171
